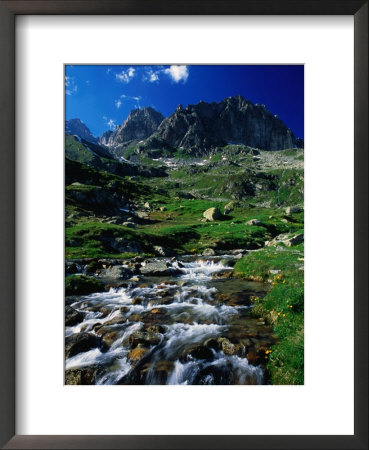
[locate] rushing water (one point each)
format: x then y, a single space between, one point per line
188 328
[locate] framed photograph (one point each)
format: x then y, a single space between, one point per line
184 224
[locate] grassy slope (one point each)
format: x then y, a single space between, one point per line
179 228
283 307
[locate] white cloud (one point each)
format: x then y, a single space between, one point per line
128 99
125 76
70 86
177 73
111 123
151 76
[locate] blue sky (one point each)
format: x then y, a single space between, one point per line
102 96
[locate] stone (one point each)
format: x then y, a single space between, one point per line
80 376
137 353
155 268
72 317
144 337
229 207
295 240
205 125
140 124
129 224
80 342
117 272
212 214
161 251
293 209
254 222
208 252
286 239
227 346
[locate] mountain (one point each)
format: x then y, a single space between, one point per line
104 139
139 125
78 128
233 120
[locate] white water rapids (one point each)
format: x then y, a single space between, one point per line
183 330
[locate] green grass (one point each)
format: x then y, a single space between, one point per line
283 307
82 285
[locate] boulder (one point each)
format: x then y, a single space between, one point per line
293 209
295 240
227 346
144 337
137 353
85 375
80 342
212 214
117 272
72 317
286 239
130 224
208 252
155 268
229 207
254 222
161 251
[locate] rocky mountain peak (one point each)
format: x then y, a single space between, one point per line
232 120
139 125
78 128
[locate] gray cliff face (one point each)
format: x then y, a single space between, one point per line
104 139
139 125
233 120
78 128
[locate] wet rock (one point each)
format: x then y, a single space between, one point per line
227 347
104 311
212 343
78 343
117 272
137 300
137 353
134 318
212 214
72 317
155 268
253 358
144 337
115 321
157 311
108 339
72 268
161 251
223 274
208 252
155 328
80 376
198 352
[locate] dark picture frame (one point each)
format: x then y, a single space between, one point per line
8 11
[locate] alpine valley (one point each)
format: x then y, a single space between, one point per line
185 248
